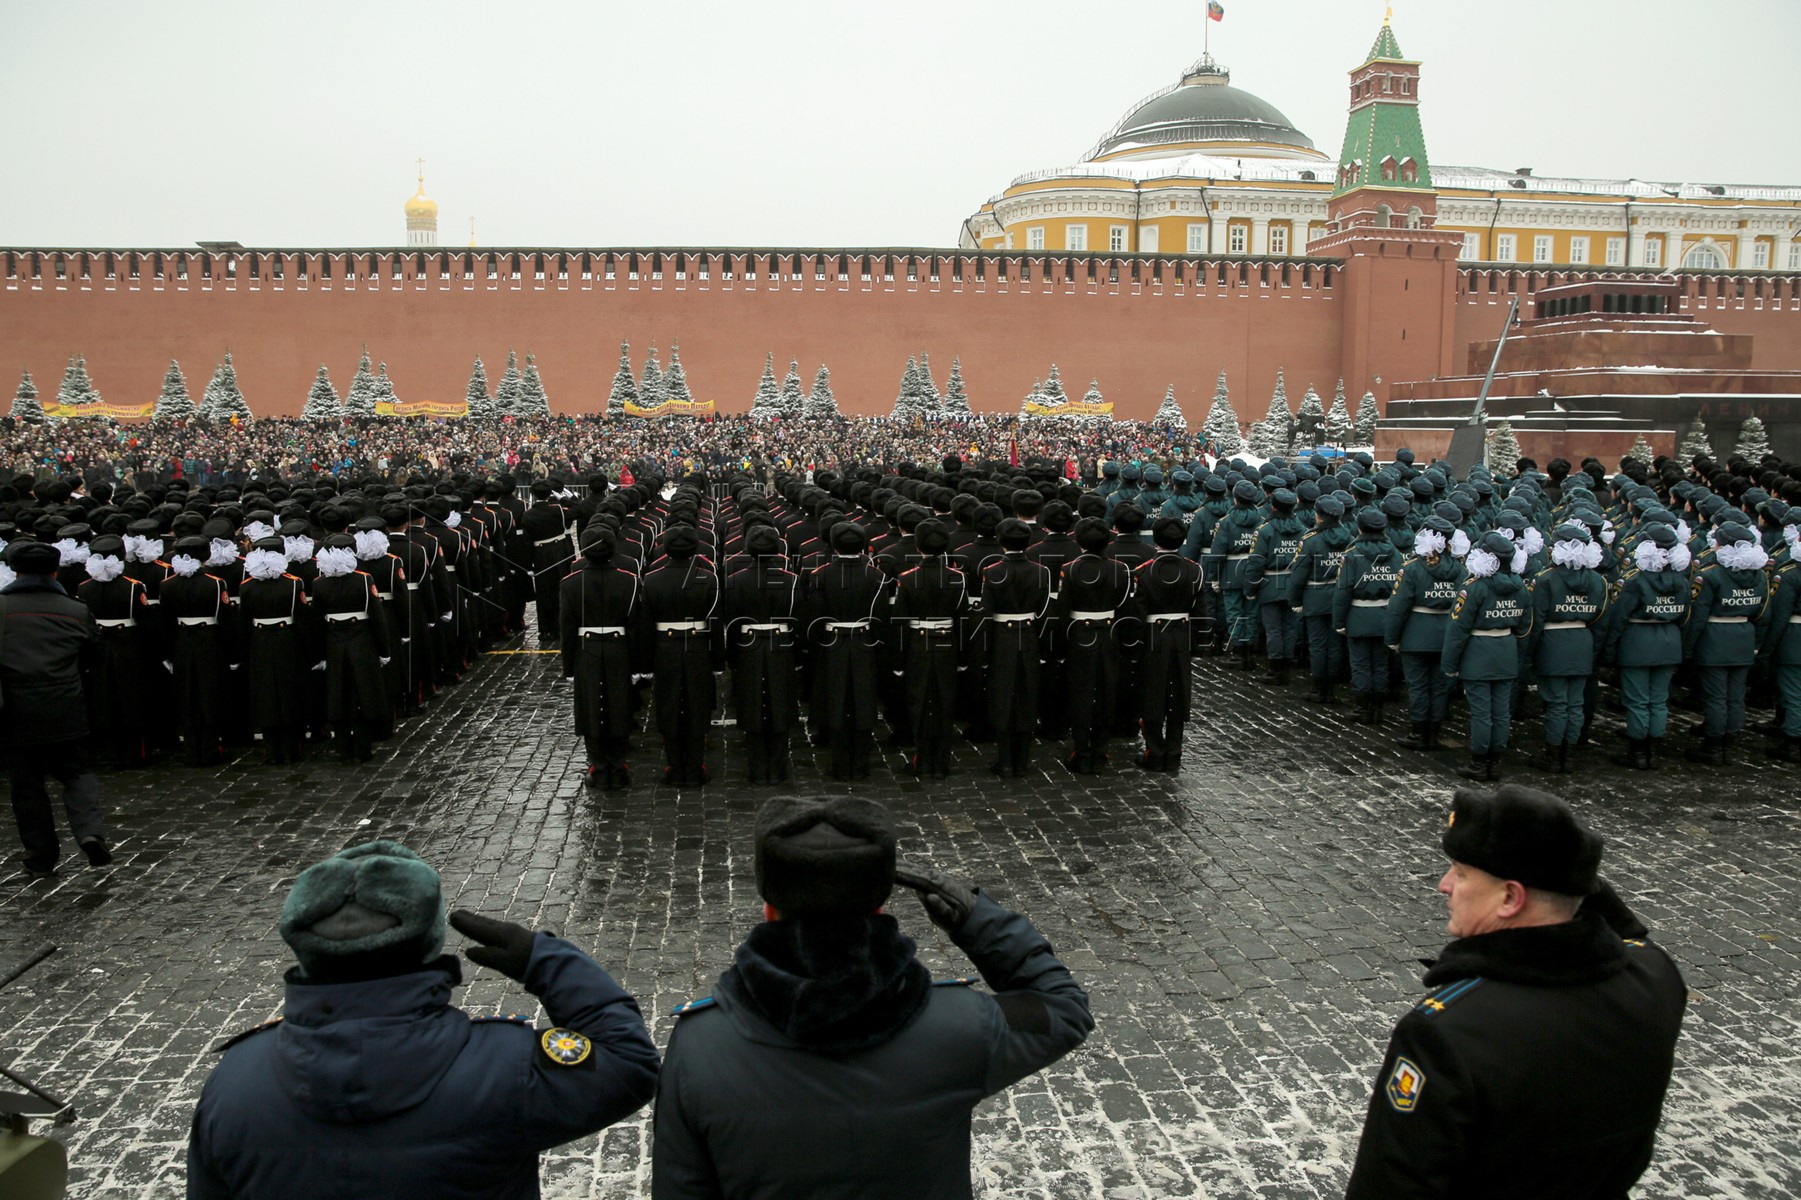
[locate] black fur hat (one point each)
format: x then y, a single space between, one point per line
1523 834
817 855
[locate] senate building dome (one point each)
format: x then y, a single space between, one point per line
1204 113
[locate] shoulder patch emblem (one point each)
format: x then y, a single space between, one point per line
566 1047
1405 1083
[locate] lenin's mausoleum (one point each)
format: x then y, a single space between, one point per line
1202 233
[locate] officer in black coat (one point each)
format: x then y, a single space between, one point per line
281 641
1091 600
204 649
1168 595
416 652
931 606
827 1062
119 694
1537 1066
546 528
357 647
49 642
681 602
1051 552
605 641
846 621
763 640
1016 602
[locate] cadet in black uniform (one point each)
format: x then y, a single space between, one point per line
681 602
196 605
1094 589
604 642
1051 552
762 645
546 527
930 605
281 644
119 691
357 647
1016 596
1168 590
1538 1064
844 629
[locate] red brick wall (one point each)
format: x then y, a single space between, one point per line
1137 338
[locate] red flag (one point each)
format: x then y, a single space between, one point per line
1013 452
1215 10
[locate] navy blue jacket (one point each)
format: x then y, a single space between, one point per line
746 1110
382 1088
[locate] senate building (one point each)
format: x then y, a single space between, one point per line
1203 167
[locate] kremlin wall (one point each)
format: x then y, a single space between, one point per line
1360 281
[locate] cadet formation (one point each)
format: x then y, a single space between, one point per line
924 607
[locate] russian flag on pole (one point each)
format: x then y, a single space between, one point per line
1215 10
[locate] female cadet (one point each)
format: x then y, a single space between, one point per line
1415 629
1720 638
1366 580
1481 648
1644 637
1568 602
1310 591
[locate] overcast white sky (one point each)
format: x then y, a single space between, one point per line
791 122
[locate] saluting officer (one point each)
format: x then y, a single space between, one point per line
1168 592
1551 989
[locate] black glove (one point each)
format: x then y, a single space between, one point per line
506 947
947 899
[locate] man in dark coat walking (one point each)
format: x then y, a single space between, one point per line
47 642
1551 990
604 643
372 1084
827 1063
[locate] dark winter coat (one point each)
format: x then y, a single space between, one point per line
765 662
1536 1068
681 591
119 689
355 688
1482 638
1420 607
828 1065
1014 586
845 590
602 599
1166 586
1092 584
931 605
48 643
384 1089
1367 578
281 641
204 648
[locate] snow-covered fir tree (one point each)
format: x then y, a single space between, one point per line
359 400
1034 396
956 400
533 402
1052 390
766 405
209 398
929 399
26 405
384 389
1367 416
675 380
231 399
1221 425
1641 450
506 393
908 403
625 384
1264 441
651 389
1340 428
1753 442
77 390
174 403
820 403
1169 414
322 403
1310 422
478 404
1503 449
1092 399
1695 442
792 398
1278 422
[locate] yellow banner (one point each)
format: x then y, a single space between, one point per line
422 408
116 412
1075 408
671 408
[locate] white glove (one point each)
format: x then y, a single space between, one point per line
898 674
168 666
640 679
448 617
234 666
406 641
568 679
318 666
383 661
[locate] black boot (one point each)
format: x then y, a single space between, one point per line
1787 750
1376 710
1712 752
1647 750
1563 759
1419 739
1479 768
1432 728
1545 759
1629 757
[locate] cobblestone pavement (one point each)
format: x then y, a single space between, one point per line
1248 931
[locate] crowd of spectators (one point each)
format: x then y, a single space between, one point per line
394 448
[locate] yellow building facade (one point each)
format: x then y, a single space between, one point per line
1203 167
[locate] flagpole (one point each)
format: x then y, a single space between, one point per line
1207 33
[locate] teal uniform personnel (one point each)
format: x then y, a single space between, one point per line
1418 612
1227 553
1214 505
1109 481
1312 584
1151 493
1537 1066
1366 580
1481 647
1569 600
1266 577
1182 503
1127 491
1720 638
1781 648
